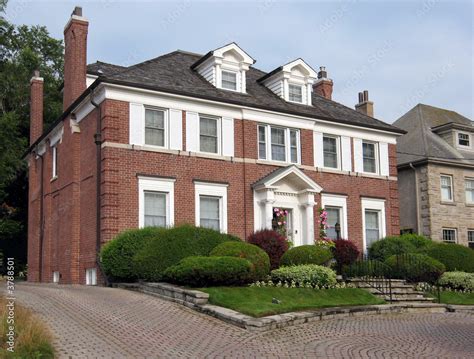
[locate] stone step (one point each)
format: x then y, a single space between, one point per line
395 290
408 300
384 285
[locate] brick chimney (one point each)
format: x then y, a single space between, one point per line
75 57
365 106
36 107
323 85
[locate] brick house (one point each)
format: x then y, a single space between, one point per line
436 174
208 140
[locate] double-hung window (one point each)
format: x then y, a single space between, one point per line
333 218
295 93
469 184
463 139
210 212
155 209
278 144
54 161
330 151
446 188
470 238
449 235
229 80
369 153
208 134
154 127
211 205
372 226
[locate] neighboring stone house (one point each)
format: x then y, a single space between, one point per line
208 140
436 174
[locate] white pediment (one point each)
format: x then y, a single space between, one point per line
288 179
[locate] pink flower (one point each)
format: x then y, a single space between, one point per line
275 210
279 223
286 212
284 222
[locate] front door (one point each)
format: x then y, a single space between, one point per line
285 223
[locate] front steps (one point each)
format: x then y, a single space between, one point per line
401 291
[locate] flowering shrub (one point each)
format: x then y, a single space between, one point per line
345 253
271 242
307 274
293 284
458 281
323 223
325 243
280 222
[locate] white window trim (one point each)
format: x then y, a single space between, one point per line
340 201
465 189
268 143
469 138
449 229
219 134
377 157
54 164
91 276
154 184
338 152
375 205
301 86
166 126
213 190
451 200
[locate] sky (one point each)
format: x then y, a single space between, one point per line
402 52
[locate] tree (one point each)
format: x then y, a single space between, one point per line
23 49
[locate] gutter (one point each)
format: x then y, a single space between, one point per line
418 230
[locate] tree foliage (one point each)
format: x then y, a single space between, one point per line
23 49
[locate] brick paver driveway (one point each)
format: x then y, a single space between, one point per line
94 322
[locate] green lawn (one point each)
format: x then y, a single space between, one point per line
257 301
454 298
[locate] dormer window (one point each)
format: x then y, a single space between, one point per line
225 67
293 82
463 139
295 93
229 80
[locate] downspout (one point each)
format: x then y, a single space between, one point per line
416 200
41 238
98 144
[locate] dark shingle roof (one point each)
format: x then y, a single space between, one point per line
421 142
173 73
102 68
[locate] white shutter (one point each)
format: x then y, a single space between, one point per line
192 131
358 159
227 136
137 124
383 155
176 130
346 153
318 149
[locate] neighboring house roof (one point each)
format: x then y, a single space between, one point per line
173 73
100 68
422 143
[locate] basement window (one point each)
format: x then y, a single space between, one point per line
91 276
56 277
449 235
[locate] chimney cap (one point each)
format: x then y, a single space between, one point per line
322 73
77 11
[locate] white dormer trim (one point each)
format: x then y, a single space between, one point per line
229 58
297 73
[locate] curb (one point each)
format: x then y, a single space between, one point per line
198 301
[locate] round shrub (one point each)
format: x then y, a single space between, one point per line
255 255
305 274
116 255
307 254
454 256
419 242
174 244
345 253
271 242
457 280
207 271
415 267
389 246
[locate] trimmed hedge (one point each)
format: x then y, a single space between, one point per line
305 274
174 244
116 255
415 267
454 256
345 253
271 242
201 271
389 246
457 280
307 254
255 255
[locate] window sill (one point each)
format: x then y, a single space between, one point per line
448 203
53 179
276 163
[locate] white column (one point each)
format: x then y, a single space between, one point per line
308 215
268 201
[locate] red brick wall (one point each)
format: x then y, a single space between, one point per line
70 200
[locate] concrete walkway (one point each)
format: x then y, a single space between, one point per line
95 322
